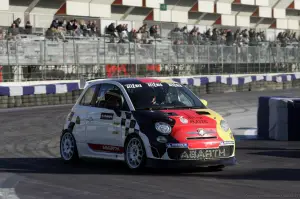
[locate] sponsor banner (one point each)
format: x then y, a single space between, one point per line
107 116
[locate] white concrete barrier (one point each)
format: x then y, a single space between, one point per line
278 118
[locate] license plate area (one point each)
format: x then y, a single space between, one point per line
201 154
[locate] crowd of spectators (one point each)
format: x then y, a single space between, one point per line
121 34
63 29
228 37
218 36
15 30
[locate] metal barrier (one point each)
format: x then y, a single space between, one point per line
28 60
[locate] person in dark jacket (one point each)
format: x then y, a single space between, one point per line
17 22
229 38
28 28
54 24
111 30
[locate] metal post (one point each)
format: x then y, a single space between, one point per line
258 59
208 61
136 67
222 58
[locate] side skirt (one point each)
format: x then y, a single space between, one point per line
93 152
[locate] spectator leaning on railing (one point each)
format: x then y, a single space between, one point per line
13 32
28 28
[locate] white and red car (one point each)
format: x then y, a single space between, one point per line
144 122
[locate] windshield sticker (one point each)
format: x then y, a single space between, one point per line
133 85
175 85
152 84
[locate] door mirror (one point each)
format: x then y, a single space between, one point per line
204 102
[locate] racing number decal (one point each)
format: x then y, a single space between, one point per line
133 85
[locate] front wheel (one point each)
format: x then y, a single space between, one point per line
68 148
135 153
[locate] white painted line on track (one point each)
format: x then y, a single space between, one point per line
250 132
8 193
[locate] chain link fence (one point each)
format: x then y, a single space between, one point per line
27 60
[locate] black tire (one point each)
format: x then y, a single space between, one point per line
143 158
74 158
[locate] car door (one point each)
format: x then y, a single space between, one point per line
81 110
104 127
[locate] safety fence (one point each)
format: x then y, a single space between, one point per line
27 60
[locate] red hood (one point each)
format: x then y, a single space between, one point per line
189 132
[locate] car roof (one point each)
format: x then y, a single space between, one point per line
124 81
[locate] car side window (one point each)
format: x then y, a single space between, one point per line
87 99
184 98
111 97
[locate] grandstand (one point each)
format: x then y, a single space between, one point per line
182 37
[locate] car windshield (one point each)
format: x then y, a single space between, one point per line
162 96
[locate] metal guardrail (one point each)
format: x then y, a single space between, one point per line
26 60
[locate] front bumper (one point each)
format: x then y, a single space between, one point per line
231 161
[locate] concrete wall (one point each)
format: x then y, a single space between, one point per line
265 12
206 6
153 3
137 3
4 5
262 2
223 8
228 20
248 2
243 21
93 8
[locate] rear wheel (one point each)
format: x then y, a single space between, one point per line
68 148
135 153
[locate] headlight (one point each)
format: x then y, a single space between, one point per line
224 125
163 128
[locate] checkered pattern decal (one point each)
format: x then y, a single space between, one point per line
129 123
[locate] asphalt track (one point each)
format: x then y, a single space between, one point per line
30 166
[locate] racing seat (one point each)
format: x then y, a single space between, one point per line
113 99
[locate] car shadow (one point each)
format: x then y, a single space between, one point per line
101 167
87 166
279 153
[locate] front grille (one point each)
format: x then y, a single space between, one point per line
201 138
200 154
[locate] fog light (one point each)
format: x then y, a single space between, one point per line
161 139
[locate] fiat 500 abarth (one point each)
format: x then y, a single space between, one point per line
146 122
